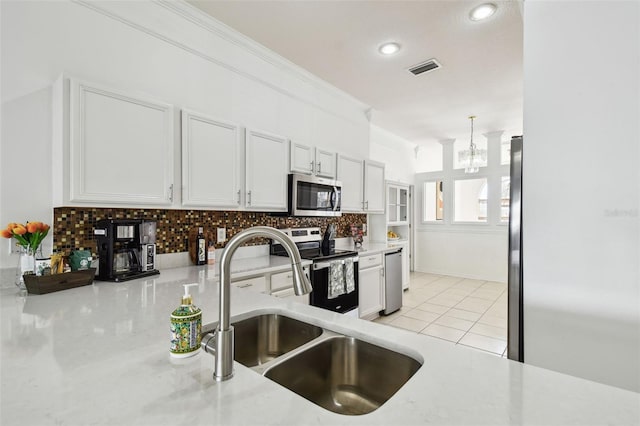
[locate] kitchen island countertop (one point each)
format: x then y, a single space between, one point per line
99 355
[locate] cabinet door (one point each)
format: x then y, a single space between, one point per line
266 171
350 173
301 158
255 284
121 148
325 163
291 295
370 291
374 188
211 162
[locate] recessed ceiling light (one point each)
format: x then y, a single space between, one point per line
483 11
389 48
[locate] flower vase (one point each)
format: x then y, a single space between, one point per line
26 264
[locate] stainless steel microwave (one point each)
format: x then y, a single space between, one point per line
314 196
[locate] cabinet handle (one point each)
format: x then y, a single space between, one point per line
366 207
311 167
245 285
319 167
238 197
249 198
372 258
382 272
171 193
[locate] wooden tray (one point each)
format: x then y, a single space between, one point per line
50 283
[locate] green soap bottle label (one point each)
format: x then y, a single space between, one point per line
186 326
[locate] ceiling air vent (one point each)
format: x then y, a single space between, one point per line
427 66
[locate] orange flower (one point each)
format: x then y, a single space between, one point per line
12 225
19 229
33 227
6 233
45 227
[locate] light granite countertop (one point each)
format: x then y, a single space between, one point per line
99 355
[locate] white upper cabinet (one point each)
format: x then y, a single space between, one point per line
211 162
363 185
351 174
114 148
374 187
325 163
312 161
266 171
302 158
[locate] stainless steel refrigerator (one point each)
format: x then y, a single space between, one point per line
515 341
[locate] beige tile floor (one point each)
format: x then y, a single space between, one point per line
462 311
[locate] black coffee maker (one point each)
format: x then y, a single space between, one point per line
126 249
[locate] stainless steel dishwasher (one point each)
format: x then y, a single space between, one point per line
393 281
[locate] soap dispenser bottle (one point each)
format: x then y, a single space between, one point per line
186 326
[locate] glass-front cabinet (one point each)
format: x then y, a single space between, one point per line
394 227
398 205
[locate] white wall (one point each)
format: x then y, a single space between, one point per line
169 51
398 154
429 158
581 189
468 253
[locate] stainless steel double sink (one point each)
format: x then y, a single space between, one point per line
342 374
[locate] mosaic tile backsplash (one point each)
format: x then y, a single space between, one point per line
73 226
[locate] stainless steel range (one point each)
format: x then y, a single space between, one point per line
334 272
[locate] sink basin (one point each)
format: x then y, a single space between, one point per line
345 375
262 338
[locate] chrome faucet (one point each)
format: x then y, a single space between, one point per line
224 333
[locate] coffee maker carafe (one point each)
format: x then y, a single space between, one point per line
126 249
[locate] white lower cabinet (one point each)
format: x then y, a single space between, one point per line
256 284
290 294
371 286
278 285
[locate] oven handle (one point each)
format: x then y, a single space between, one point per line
324 265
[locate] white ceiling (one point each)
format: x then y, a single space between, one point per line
481 70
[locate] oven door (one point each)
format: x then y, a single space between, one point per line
314 196
320 282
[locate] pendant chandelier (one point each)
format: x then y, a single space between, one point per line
473 157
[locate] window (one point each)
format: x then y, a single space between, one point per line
505 198
470 200
433 202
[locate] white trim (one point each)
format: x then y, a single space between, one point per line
461 229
